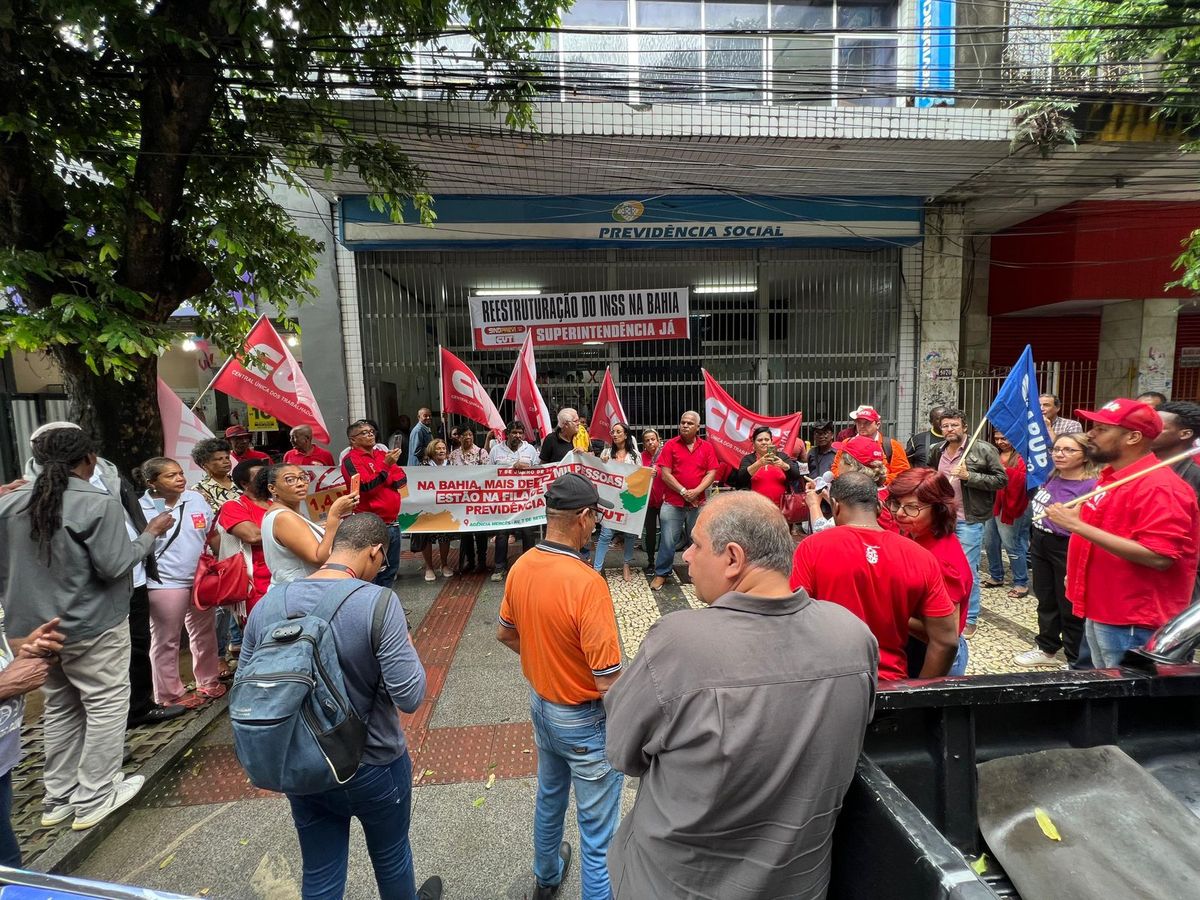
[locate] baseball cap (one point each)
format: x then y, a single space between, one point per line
865 412
865 450
1126 413
237 431
571 491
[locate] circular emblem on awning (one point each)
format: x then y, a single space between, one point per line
628 211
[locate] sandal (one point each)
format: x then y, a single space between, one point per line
991 583
212 692
189 701
429 575
1017 593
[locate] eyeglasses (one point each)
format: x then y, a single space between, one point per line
362 431
912 510
293 480
1060 450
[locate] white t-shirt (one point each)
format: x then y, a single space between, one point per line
177 558
139 571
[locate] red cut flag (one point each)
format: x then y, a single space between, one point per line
728 425
608 411
273 382
523 391
182 430
463 394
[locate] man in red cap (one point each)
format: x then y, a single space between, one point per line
239 441
866 424
1131 562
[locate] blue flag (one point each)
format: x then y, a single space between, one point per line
1017 412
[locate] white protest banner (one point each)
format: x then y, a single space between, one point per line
608 316
453 499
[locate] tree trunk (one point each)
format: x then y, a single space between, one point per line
122 417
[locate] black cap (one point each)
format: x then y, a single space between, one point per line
571 491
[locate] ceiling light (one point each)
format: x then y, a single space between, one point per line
593 343
507 292
725 288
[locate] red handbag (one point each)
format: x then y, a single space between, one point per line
794 508
220 582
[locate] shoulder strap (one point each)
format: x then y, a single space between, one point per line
381 607
887 448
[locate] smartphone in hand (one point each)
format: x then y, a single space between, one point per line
160 505
354 482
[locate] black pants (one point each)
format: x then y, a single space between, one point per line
650 539
1058 626
472 551
527 536
141 687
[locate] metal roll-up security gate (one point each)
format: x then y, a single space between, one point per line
815 330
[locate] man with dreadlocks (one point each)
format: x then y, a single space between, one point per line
65 553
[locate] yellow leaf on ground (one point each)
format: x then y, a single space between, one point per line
1045 824
491 780
166 862
477 802
980 865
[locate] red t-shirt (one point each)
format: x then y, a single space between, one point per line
1159 512
956 571
251 454
771 482
688 466
881 577
234 512
318 456
379 484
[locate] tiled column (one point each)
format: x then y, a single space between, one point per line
1137 348
941 303
356 385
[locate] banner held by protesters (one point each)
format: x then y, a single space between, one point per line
728 425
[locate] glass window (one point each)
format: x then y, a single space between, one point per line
801 14
736 14
862 14
867 72
734 69
669 67
668 14
596 65
803 70
597 12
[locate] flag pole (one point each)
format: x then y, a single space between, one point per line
1083 498
974 437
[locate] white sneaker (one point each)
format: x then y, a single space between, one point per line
57 815
1036 657
126 788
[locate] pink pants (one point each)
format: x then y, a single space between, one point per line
170 610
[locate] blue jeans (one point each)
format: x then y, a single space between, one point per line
671 521
1108 643
959 666
602 545
970 537
385 576
380 797
1015 540
570 742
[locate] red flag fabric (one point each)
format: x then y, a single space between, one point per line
463 394
608 411
182 430
273 382
728 425
523 391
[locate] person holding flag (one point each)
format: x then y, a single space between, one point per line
1131 560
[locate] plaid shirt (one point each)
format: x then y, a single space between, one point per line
1062 426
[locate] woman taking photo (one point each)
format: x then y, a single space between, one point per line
176 554
472 548
293 546
437 456
623 449
922 503
765 470
1058 626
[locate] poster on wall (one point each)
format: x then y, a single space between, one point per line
598 316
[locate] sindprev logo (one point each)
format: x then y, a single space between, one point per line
628 211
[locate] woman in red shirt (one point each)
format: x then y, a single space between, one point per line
243 519
766 471
923 504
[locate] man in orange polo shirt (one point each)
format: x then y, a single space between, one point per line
557 615
1131 562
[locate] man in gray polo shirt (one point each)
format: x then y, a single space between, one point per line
744 722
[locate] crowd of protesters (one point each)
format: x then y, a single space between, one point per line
97 580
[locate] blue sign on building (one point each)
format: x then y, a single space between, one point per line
935 52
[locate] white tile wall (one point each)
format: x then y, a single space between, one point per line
347 283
